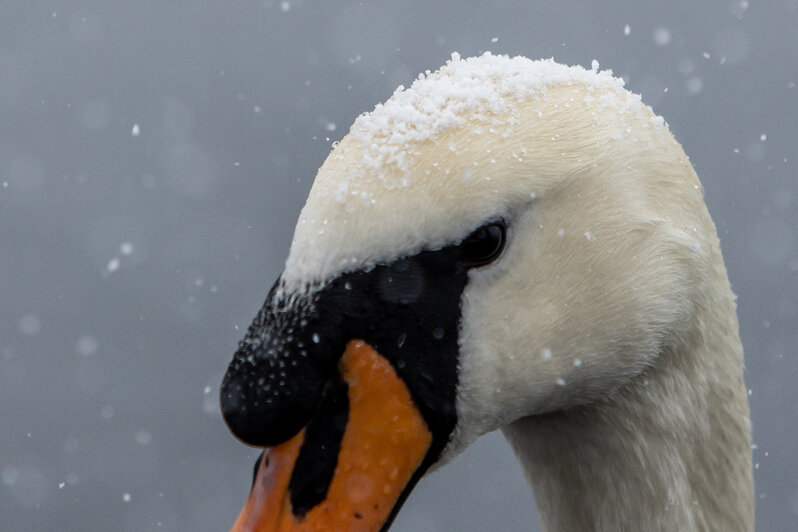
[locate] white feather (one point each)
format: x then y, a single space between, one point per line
604 341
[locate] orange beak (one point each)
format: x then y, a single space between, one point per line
384 444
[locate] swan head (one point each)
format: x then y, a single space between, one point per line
504 238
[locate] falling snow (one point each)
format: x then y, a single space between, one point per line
150 198
113 264
30 325
662 36
87 345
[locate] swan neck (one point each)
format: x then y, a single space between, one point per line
670 451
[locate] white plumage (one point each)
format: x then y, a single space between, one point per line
604 341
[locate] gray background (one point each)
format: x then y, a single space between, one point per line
130 264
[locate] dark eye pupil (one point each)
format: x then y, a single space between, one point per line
483 245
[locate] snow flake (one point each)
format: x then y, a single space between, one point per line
87 345
694 85
143 438
113 265
30 325
662 36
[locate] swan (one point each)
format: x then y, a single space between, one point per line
505 244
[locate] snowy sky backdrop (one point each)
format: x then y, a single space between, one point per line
154 157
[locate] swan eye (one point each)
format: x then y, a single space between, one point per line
483 245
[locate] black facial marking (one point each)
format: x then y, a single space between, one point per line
283 376
256 467
318 455
274 383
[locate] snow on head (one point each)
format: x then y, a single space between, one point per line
460 145
463 89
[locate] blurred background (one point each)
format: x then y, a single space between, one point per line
154 157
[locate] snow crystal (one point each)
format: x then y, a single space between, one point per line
694 85
685 66
560 382
127 497
126 248
627 30
87 345
462 89
577 363
113 264
135 130
662 36
495 39
763 137
143 438
546 353
10 474
30 325
739 8
285 6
